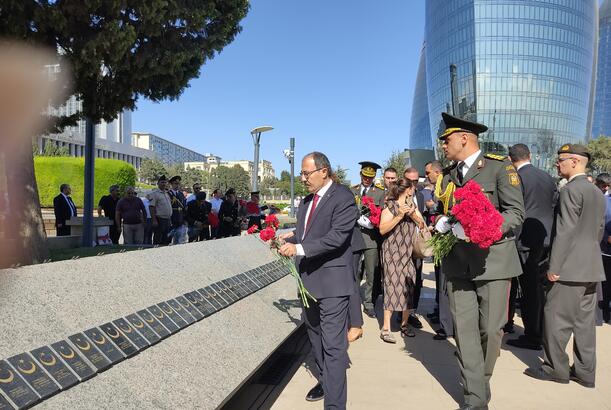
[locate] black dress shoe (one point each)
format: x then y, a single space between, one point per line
441 335
370 312
508 328
414 321
576 379
524 343
540 374
316 393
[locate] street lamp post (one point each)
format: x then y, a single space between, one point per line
256 139
290 155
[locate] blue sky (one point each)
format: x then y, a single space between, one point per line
337 75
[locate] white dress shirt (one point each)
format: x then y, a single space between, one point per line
522 165
469 161
72 207
321 193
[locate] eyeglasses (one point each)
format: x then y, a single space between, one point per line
307 174
559 160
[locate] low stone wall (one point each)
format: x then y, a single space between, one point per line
198 367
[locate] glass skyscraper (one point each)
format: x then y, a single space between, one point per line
602 103
522 68
420 132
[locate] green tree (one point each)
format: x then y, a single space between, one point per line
52 150
235 177
600 149
119 50
267 183
341 175
151 170
396 160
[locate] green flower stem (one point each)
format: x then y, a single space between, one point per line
303 292
442 244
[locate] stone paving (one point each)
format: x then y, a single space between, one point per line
422 373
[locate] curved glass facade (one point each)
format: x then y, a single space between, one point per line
522 68
602 105
420 128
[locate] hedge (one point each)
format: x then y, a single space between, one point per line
51 172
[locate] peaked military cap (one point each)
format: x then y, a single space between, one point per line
369 168
175 178
576 149
454 124
254 193
162 178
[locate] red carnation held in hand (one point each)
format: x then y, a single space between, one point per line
477 215
252 229
267 234
213 219
371 210
272 220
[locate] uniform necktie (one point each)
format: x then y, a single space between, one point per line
364 191
460 176
314 203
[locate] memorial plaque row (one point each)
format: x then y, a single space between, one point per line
28 378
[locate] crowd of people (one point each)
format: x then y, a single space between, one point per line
553 253
167 214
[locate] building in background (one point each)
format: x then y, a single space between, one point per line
601 124
266 170
420 125
164 150
525 69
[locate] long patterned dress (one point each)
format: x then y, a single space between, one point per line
399 271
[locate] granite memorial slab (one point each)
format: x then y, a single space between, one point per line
36 377
211 298
236 287
208 306
55 367
164 319
73 360
254 278
196 299
16 388
91 353
153 323
232 288
168 311
103 343
129 332
182 312
222 303
193 310
126 347
142 328
4 404
247 283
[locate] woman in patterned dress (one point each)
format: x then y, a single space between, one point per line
397 225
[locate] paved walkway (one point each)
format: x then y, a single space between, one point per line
422 373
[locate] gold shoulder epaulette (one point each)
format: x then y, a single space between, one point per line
495 156
379 186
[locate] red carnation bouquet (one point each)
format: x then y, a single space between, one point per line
478 217
268 234
213 219
370 210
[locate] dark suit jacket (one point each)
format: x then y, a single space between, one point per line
327 267
580 221
540 196
62 210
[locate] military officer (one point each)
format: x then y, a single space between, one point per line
478 280
178 208
371 234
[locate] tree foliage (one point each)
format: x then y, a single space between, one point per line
119 50
151 170
396 160
51 150
341 175
236 177
600 149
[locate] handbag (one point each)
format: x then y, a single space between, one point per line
420 247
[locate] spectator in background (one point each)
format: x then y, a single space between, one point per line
108 204
229 215
603 182
216 202
197 218
179 206
390 178
160 206
148 225
196 188
132 214
64 209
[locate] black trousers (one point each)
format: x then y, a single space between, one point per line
114 234
160 232
418 285
63 230
355 316
532 283
327 322
606 285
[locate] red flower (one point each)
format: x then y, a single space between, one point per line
242 203
267 234
213 219
252 208
252 229
479 218
272 220
370 210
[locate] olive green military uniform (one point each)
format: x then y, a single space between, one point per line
479 280
372 239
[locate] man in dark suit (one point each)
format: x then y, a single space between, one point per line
575 268
64 209
539 191
325 260
412 174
